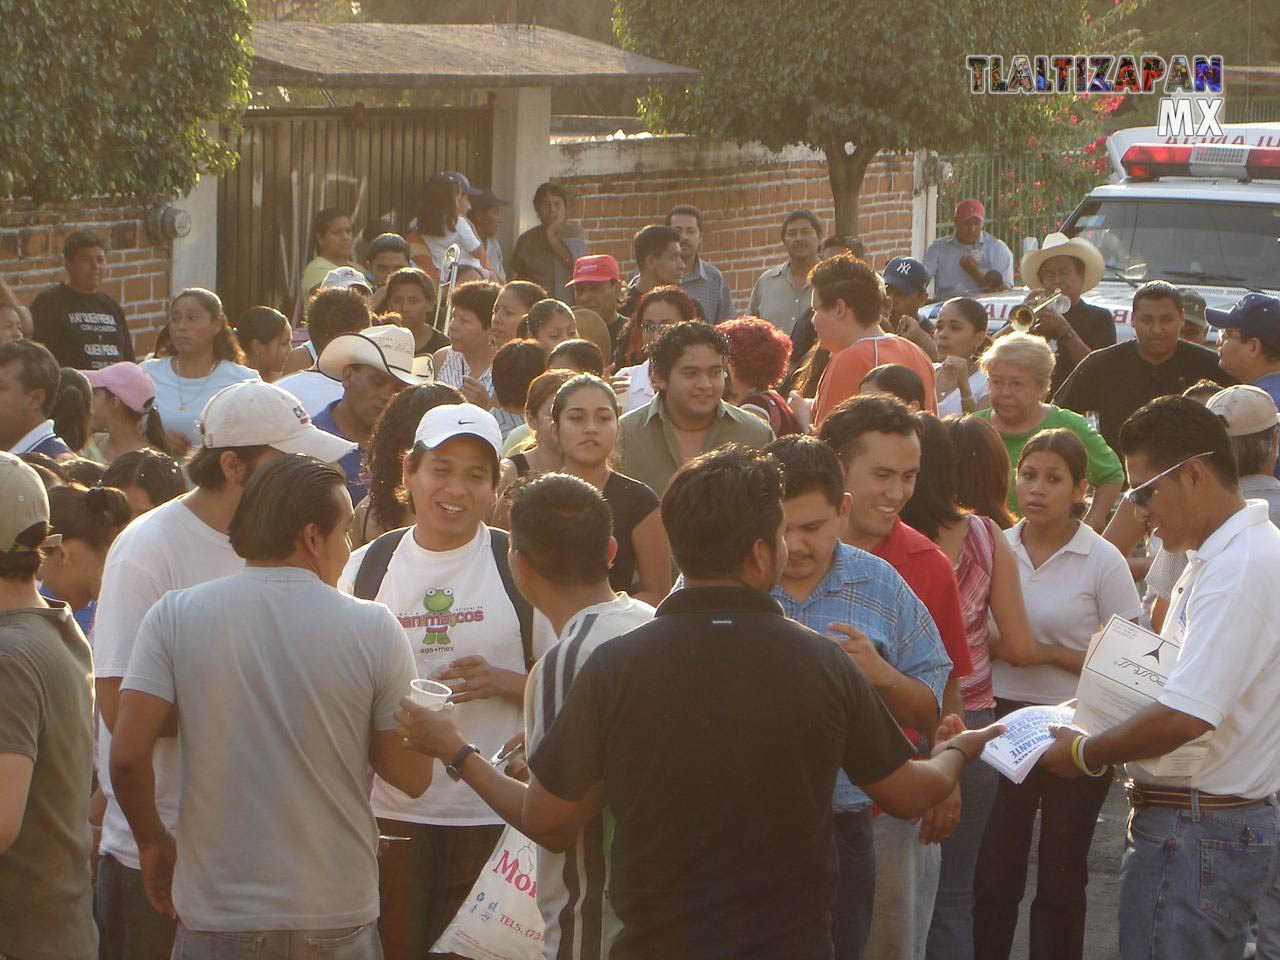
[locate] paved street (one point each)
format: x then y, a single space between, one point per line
1101 937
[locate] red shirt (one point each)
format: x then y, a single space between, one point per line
930 576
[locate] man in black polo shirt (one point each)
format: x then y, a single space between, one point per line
713 734
82 326
1115 382
1074 266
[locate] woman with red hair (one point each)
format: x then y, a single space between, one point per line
656 310
758 356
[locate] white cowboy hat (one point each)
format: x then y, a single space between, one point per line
1060 245
388 348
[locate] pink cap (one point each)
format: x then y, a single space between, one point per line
970 208
596 268
127 382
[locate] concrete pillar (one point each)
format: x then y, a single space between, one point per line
521 154
924 202
195 256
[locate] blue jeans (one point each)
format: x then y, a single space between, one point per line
951 933
129 928
1192 878
856 885
348 943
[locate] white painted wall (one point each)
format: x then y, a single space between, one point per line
195 256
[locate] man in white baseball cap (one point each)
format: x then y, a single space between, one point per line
447 580
348 277
46 742
372 366
1250 416
179 544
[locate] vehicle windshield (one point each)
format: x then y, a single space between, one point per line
1185 241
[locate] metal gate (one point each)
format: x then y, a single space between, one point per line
293 164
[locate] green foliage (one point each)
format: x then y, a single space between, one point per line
880 74
112 97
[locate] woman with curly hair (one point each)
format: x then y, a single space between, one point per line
382 509
656 310
758 357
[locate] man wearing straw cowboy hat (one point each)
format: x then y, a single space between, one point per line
1074 266
372 367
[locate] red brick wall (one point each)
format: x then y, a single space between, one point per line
742 210
137 276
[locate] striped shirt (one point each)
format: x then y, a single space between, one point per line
454 367
973 579
580 924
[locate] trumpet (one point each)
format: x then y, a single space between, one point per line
448 277
1023 317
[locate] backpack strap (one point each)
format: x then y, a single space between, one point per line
374 565
499 541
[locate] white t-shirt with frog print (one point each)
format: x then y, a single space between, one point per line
451 604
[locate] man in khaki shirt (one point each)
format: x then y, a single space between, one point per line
688 416
782 293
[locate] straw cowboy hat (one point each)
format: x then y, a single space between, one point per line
388 348
1060 245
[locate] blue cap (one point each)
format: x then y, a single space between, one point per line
1254 315
461 180
907 275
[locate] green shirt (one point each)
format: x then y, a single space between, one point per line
1104 465
649 450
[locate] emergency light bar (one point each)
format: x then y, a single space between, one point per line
1150 161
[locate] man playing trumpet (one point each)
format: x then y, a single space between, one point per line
1074 266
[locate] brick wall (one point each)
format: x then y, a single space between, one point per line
138 270
743 196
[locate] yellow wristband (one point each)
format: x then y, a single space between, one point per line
1077 756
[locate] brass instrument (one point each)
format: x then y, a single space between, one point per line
448 277
1023 317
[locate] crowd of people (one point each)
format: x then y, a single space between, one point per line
724 607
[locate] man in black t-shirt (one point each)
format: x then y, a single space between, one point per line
1115 382
1074 266
714 733
82 326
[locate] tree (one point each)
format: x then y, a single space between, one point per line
851 79
118 97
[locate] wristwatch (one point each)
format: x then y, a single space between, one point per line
454 767
1069 335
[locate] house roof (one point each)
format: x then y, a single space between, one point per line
408 55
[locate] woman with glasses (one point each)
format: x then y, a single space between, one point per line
1073 582
1019 368
656 310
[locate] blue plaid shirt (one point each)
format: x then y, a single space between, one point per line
867 593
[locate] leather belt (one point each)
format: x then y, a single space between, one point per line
1140 796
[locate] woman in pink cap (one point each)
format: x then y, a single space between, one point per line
123 412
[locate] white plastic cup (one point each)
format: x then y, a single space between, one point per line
430 694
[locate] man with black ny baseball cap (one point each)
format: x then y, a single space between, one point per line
906 287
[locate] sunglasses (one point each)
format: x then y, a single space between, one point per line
1140 496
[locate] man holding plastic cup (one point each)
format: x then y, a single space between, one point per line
447 580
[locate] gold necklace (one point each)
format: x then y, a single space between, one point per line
182 400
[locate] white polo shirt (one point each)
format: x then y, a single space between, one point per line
1068 598
1225 618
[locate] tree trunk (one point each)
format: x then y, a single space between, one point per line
845 173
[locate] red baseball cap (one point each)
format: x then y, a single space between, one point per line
596 268
970 208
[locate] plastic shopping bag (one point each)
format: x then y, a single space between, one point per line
499 920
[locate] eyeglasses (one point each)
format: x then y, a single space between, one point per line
1140 496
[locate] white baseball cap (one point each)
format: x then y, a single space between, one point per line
347 277
253 413
441 424
1246 409
388 348
25 503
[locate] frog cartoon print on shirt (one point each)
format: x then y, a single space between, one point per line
437 601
